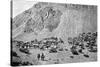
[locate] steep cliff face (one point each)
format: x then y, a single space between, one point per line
90 19
48 19
36 19
75 21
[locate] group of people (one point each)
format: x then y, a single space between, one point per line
50 43
41 56
81 42
84 41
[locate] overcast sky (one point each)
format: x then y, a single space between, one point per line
21 5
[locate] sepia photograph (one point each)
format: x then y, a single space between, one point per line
44 33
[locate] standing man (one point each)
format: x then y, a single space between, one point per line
42 57
38 56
